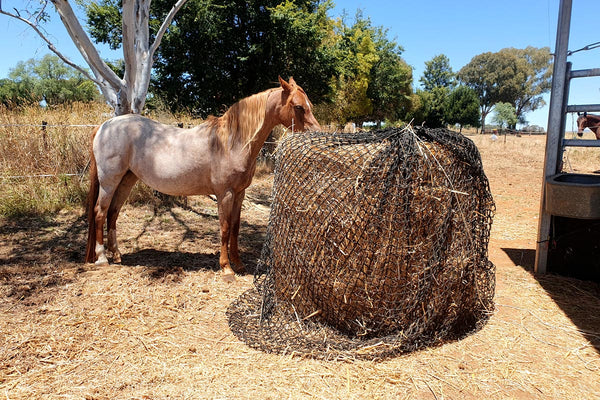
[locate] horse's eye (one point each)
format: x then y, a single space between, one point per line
299 108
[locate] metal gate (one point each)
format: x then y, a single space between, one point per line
569 225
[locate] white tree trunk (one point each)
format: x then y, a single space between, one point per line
128 94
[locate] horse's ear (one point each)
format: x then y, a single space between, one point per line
292 81
585 113
286 86
578 114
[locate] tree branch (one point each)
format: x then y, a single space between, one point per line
85 45
128 42
51 45
165 25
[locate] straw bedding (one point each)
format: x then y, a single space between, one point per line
377 244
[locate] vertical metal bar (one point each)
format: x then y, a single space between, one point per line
563 122
554 136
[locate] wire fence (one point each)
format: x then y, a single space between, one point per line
44 126
265 155
27 148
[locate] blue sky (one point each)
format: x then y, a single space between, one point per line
459 29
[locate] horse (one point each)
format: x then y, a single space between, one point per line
217 158
591 121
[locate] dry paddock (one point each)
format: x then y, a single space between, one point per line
155 326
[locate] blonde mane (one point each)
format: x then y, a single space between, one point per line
242 121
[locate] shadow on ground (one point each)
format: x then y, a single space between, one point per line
36 250
579 300
174 261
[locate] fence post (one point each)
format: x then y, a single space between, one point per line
44 136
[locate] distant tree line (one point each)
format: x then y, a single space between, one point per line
510 81
219 51
47 80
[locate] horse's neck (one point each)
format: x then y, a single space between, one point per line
256 144
244 128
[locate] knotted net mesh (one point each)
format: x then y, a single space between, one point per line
376 245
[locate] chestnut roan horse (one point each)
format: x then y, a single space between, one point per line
217 157
591 121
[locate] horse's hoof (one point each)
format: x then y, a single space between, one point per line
102 262
239 268
229 277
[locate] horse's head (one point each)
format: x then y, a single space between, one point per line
582 123
295 110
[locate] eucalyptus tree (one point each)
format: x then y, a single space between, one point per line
495 77
538 79
126 94
516 76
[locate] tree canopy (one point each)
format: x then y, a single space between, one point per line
462 107
47 79
495 77
515 76
504 115
371 82
538 79
438 73
219 51
390 84
437 82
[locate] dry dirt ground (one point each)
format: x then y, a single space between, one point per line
155 327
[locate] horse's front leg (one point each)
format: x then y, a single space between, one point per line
235 231
225 205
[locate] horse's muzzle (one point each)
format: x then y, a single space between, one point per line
580 133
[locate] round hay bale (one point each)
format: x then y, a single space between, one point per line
377 235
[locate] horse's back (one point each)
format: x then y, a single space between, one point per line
132 126
126 133
169 159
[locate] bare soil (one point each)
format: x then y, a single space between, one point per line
155 326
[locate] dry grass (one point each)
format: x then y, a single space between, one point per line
44 169
155 327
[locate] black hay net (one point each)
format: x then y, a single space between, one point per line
376 245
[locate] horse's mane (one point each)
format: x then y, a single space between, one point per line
242 121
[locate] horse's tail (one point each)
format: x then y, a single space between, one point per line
92 198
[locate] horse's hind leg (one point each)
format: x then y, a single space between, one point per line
105 196
117 202
100 211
